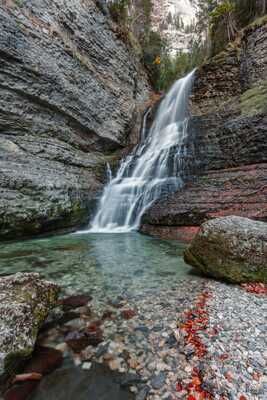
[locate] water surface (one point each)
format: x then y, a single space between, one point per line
105 264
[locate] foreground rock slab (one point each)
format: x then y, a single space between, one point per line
25 300
74 383
231 248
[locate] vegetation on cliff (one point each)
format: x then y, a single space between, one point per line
217 23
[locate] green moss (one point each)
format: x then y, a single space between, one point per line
19 3
232 270
257 23
254 101
190 259
14 360
135 44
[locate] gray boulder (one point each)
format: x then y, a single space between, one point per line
25 300
231 248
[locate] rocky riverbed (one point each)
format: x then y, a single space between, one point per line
145 328
194 339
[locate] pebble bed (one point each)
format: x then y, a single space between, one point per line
198 339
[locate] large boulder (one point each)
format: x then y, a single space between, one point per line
72 93
25 300
231 248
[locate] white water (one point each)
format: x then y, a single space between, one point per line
153 168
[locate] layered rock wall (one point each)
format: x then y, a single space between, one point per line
227 149
71 94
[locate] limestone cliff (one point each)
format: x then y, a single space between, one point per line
227 148
70 98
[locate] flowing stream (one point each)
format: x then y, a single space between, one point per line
153 168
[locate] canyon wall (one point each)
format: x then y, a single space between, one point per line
71 98
227 149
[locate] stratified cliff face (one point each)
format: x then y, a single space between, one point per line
227 147
70 96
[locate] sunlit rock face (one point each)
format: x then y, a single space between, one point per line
165 15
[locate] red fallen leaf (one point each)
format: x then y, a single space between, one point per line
196 381
242 397
190 397
223 357
178 387
128 314
190 386
31 376
257 288
204 395
198 389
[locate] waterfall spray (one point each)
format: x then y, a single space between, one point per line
153 168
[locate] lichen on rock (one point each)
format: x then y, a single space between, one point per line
25 300
231 248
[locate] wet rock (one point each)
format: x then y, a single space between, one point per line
158 381
97 383
95 337
231 248
101 350
171 340
59 320
142 328
143 393
79 340
108 315
94 333
117 303
75 301
130 379
20 392
43 361
128 314
25 300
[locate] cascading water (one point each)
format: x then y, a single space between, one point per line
153 168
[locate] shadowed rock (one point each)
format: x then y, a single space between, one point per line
74 383
71 94
231 248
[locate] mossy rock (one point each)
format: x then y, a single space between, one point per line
254 101
230 248
25 303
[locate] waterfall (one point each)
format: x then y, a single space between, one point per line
154 167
